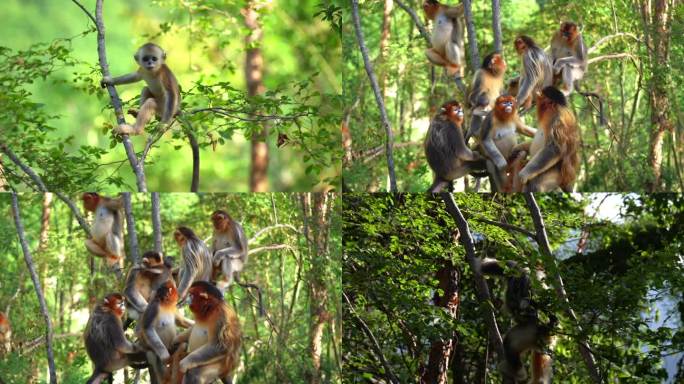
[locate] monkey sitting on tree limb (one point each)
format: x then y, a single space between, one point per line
536 72
553 151
229 247
447 38
498 138
105 342
529 333
161 96
445 148
487 86
107 230
213 343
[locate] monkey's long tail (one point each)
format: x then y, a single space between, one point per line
187 128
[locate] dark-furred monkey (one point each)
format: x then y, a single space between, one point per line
105 342
486 87
229 247
447 37
498 138
536 72
196 260
445 148
213 343
569 55
107 229
161 96
554 160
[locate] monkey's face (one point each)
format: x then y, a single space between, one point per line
544 106
150 58
520 46
152 259
180 239
115 303
569 31
220 221
453 112
168 293
498 64
430 7
90 201
505 105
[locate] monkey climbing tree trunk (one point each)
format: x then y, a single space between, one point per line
156 222
254 71
658 35
543 242
441 350
389 143
36 284
130 227
496 25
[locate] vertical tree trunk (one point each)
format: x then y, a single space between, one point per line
442 350
44 228
3 180
36 284
472 38
254 68
384 40
658 27
156 222
130 226
496 25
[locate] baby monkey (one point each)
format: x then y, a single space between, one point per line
161 96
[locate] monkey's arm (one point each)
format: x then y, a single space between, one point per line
125 79
183 321
170 98
543 160
133 297
453 11
477 97
521 147
206 354
115 331
463 151
114 204
524 129
489 146
185 281
151 336
183 337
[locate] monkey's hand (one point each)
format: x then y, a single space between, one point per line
501 164
107 80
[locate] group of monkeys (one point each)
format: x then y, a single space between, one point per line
546 79
209 349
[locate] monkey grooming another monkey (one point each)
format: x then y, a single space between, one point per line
445 148
161 96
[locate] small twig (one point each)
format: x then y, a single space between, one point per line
416 20
270 248
610 37
270 228
90 15
611 56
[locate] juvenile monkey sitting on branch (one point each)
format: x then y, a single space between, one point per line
161 96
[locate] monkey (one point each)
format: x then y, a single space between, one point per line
229 247
447 47
5 334
161 96
529 333
553 151
105 342
487 86
536 72
569 55
498 138
143 280
213 343
445 148
196 263
158 329
107 230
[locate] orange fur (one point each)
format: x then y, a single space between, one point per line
431 8
541 366
451 109
111 304
497 66
559 125
499 109
515 165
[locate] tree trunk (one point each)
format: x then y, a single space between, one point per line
36 284
156 222
44 231
658 25
130 226
384 40
254 68
442 350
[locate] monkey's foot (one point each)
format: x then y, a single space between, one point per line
125 129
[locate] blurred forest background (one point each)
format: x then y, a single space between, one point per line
636 57
295 242
412 313
56 118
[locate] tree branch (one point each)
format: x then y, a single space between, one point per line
610 57
496 25
543 242
270 228
156 223
270 248
130 226
378 95
472 38
610 37
416 20
36 284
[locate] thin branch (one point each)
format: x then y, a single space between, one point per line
130 226
41 186
391 377
90 15
610 37
37 342
472 38
270 228
378 95
370 154
156 223
270 248
416 20
502 225
543 242
482 290
115 100
36 284
611 56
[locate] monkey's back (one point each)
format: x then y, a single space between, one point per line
440 149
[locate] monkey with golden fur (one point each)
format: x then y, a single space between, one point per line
487 85
229 248
447 40
5 335
107 238
498 138
554 160
161 96
213 343
143 280
569 55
